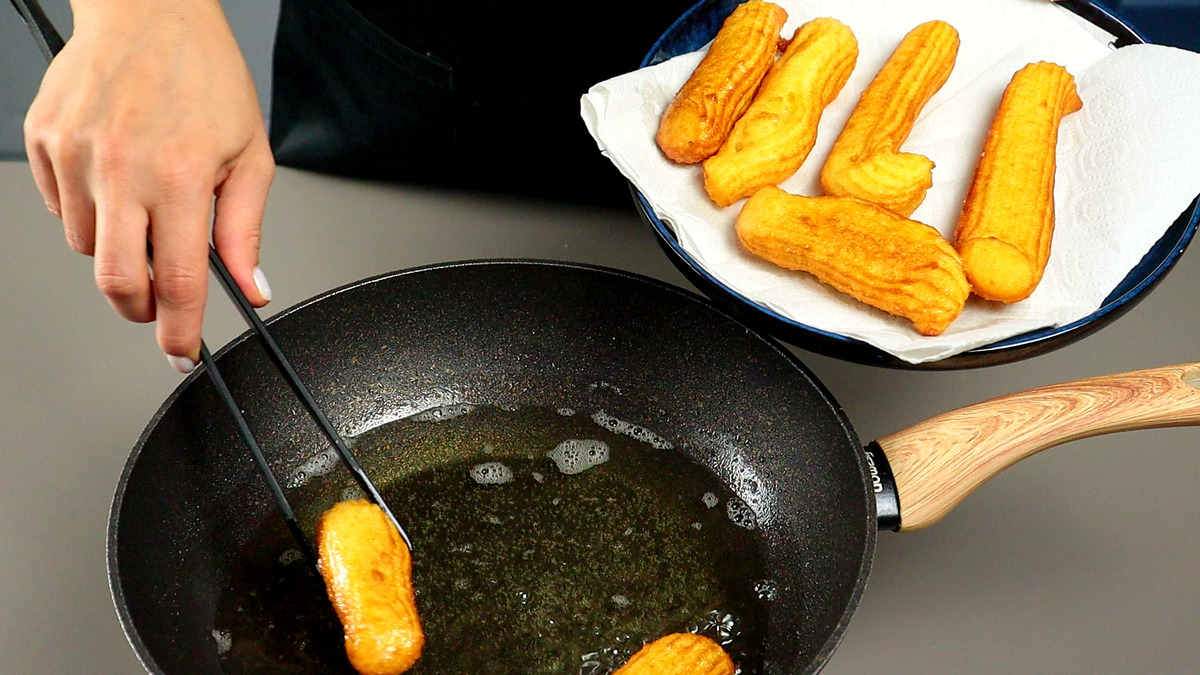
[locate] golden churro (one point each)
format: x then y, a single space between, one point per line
679 654
865 161
867 252
368 573
698 120
1007 222
774 137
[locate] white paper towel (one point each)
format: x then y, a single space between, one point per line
1128 162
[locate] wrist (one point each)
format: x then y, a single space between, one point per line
89 13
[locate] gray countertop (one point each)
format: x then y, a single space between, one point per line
1080 559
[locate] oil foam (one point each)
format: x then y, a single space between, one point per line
491 473
576 456
631 430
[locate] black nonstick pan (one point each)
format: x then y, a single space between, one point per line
478 339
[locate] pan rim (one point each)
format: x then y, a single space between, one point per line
815 664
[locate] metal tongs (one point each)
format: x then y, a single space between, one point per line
50 43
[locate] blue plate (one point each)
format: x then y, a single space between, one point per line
698 26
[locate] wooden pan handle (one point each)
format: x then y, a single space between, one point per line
940 461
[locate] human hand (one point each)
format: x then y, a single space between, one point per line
146 115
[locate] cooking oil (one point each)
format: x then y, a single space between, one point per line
544 542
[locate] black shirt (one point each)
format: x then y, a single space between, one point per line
480 95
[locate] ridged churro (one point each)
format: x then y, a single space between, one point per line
867 252
1007 222
679 654
368 573
698 120
865 161
774 137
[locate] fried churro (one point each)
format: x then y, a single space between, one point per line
698 120
863 250
679 654
865 161
774 137
1007 222
368 573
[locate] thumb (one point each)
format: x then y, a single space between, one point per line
237 226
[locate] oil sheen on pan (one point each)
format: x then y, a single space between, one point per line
547 541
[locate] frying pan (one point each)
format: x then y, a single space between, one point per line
544 334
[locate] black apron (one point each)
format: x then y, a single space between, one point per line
478 95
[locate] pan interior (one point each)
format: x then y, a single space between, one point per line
527 334
544 540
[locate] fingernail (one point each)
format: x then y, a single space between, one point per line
260 282
53 210
182 363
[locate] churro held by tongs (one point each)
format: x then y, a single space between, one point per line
368 572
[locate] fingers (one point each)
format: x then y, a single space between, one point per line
78 209
59 169
43 170
237 229
121 269
179 232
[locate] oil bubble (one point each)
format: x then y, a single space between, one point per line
696 526
631 430
491 473
318 465
740 514
766 590
290 556
352 492
224 640
538 477
592 665
620 601
576 456
604 661
727 629
722 627
442 413
710 500
566 412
